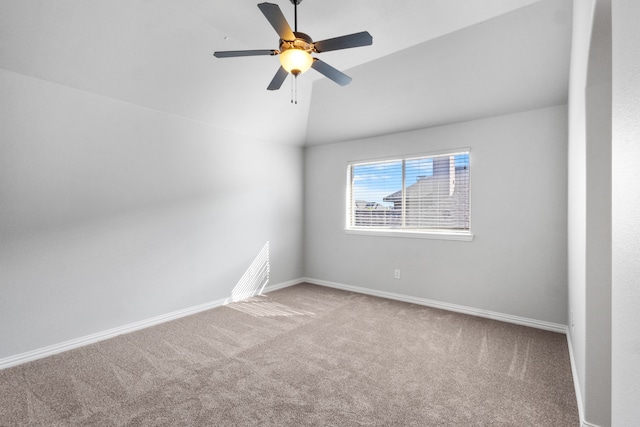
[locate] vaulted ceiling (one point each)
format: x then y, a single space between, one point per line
432 62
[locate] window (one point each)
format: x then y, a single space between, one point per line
426 196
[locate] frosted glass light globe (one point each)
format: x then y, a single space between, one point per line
296 61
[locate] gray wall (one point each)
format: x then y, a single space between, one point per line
577 189
516 263
598 255
626 205
113 213
589 238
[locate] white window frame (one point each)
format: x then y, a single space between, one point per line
442 234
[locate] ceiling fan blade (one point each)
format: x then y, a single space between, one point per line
337 76
278 79
235 53
275 17
344 42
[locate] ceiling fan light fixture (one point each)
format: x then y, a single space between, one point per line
296 48
296 61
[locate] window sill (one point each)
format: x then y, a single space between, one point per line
437 235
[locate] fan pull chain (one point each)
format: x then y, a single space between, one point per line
294 90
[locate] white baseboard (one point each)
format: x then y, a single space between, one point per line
538 324
110 333
101 336
576 383
554 327
39 353
271 288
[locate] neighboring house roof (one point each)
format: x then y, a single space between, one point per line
395 197
432 184
433 193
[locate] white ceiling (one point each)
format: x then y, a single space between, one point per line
158 54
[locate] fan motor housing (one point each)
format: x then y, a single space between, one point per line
302 41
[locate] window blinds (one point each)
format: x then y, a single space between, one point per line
418 193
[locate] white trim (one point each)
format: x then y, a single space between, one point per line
40 353
110 333
576 386
533 323
385 232
576 380
271 288
413 156
101 336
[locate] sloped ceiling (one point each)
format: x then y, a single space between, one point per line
515 62
431 62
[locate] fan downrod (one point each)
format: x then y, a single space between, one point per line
295 4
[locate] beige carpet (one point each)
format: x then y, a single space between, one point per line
303 356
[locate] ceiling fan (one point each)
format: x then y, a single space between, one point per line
295 48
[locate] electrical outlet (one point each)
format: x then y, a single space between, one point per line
396 273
